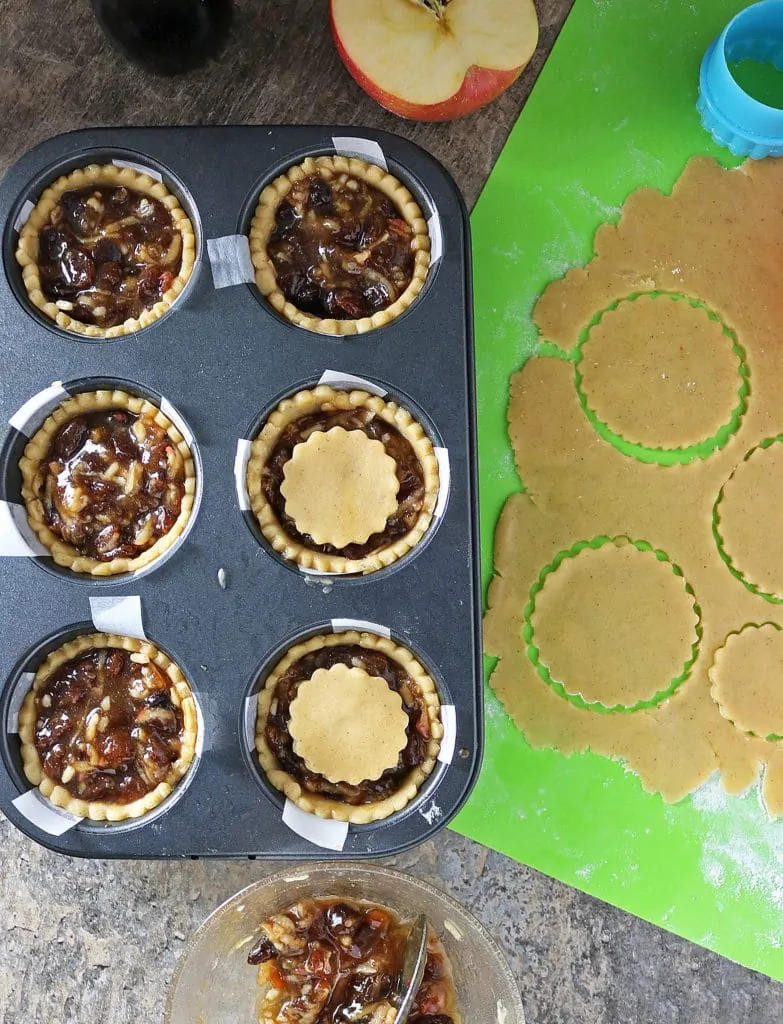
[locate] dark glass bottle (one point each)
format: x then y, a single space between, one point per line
166 37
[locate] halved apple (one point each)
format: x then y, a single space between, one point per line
434 60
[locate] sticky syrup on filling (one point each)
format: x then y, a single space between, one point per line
410 496
106 727
334 961
340 248
112 484
107 254
375 663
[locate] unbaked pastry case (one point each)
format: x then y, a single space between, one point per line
220 602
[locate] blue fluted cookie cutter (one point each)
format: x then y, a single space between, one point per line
734 119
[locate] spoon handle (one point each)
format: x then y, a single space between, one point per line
413 965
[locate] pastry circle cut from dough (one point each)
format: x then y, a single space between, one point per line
746 679
662 373
340 487
367 727
653 637
745 520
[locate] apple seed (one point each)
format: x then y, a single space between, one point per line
436 6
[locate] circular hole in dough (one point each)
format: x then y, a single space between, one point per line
747 680
614 624
663 374
746 520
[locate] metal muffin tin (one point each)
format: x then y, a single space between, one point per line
222 605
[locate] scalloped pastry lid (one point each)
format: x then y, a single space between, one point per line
347 725
340 487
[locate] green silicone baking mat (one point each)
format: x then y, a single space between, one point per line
614 109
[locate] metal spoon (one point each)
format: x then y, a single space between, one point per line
413 964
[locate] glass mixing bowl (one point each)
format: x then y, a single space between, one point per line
213 983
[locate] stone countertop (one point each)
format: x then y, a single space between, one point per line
96 941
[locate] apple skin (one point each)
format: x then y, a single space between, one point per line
479 87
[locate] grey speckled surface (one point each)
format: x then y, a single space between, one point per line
96 942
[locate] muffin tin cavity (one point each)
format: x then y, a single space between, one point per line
48 815
415 792
217 365
366 212
342 477
148 428
127 235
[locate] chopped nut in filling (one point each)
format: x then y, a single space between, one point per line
410 475
340 247
333 961
111 484
108 725
417 736
107 253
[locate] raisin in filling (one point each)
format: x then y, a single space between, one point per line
107 254
410 496
375 663
340 248
333 961
112 484
106 727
